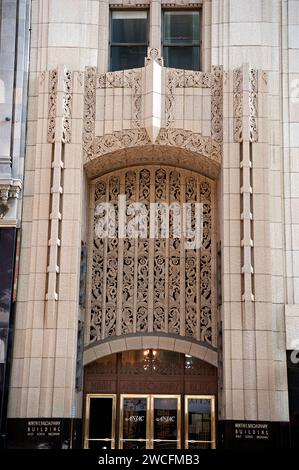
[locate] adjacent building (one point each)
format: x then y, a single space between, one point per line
158 286
14 55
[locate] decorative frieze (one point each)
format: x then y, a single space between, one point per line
177 78
118 140
89 107
253 105
125 79
210 146
146 3
54 104
129 3
67 106
238 104
190 141
8 190
181 3
217 104
243 80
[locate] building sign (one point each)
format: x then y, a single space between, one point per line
243 434
251 430
44 428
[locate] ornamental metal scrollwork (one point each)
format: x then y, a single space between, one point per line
152 282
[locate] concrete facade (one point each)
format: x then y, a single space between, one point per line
235 123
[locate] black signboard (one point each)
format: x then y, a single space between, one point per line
253 434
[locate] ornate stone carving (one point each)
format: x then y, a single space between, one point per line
67 106
177 78
118 140
89 108
253 105
66 112
8 190
52 104
135 3
206 266
238 88
125 79
190 141
124 290
238 104
181 3
217 104
153 54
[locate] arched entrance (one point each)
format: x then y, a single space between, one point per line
150 398
151 331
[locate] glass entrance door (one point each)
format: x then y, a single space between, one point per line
149 422
100 421
134 422
200 422
166 421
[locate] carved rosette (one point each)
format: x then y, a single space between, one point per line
152 282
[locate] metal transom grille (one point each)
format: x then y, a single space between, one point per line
152 282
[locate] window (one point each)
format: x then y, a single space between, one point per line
128 45
181 39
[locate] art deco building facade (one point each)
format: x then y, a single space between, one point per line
152 341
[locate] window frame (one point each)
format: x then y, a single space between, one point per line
127 44
183 9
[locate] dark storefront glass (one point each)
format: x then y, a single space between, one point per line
7 257
293 389
101 421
